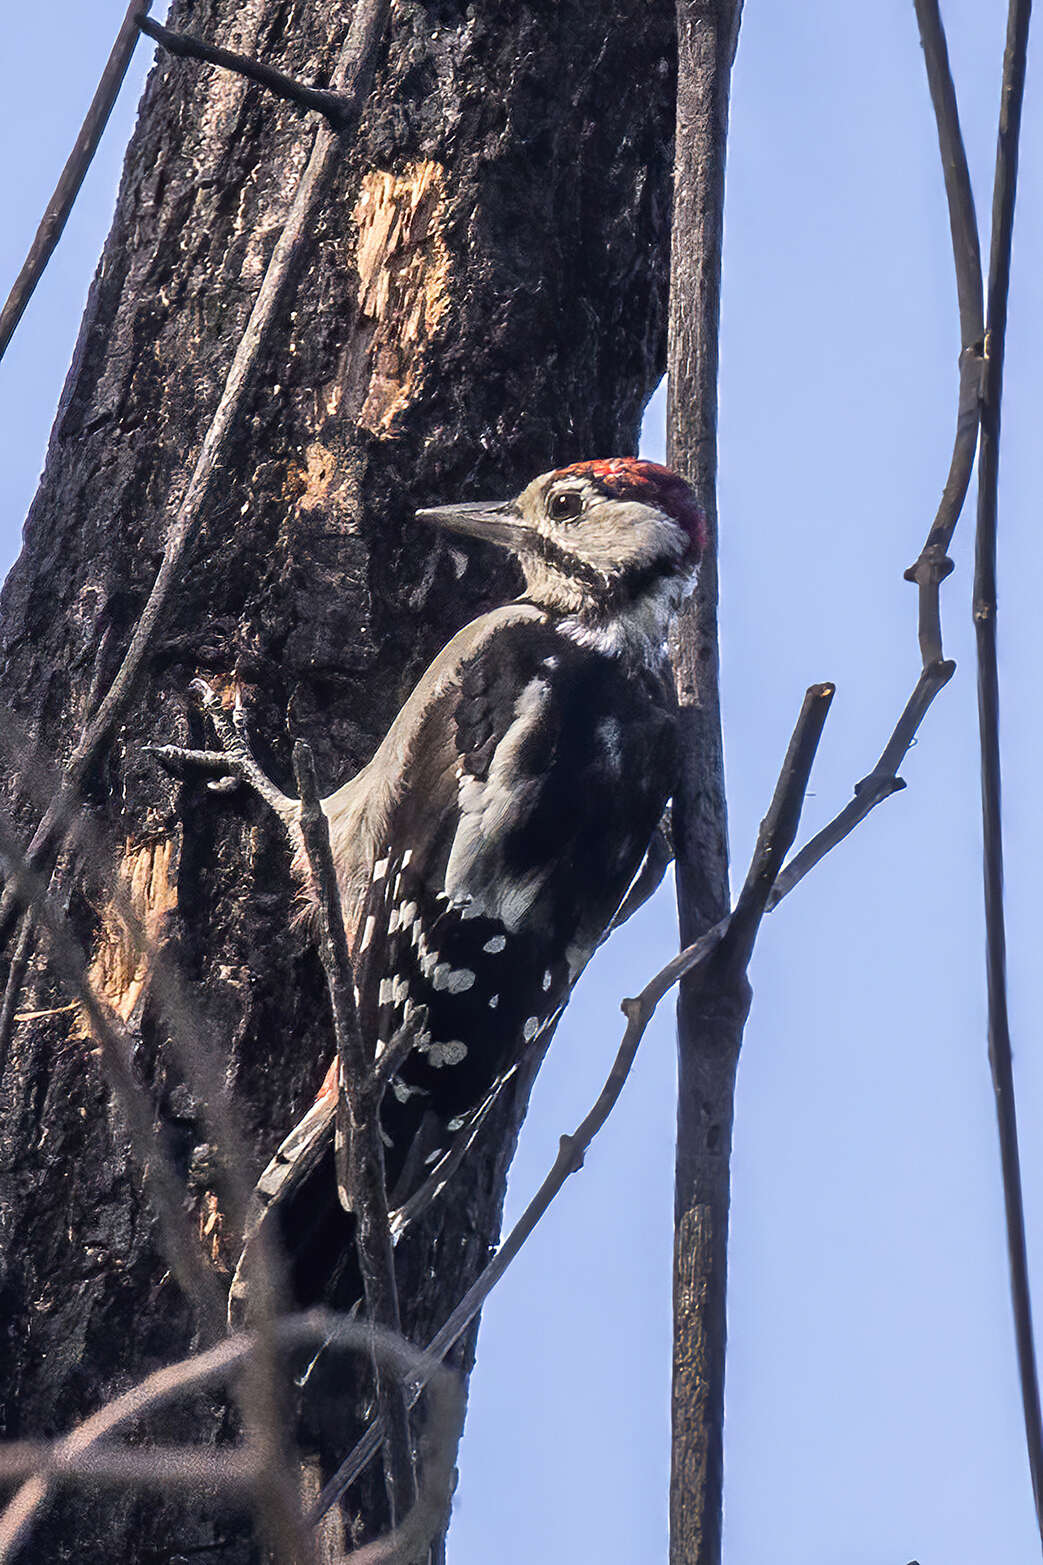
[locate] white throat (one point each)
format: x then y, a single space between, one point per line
635 631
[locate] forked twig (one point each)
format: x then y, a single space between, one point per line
73 174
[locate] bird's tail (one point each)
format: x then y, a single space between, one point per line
295 1207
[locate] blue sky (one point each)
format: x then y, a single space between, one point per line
872 1413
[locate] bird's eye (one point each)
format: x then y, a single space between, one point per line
566 505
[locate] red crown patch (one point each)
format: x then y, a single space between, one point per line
629 478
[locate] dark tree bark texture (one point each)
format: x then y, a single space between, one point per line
483 298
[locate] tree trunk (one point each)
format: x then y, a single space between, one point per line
483 297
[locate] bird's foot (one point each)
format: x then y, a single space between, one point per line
233 762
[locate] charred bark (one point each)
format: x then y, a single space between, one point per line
484 297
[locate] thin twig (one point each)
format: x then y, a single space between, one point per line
360 1150
335 106
261 1392
933 565
874 788
72 176
776 834
194 1468
68 1458
352 76
1003 199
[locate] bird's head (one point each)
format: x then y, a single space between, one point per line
596 539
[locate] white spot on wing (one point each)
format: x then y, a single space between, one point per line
367 933
460 981
403 1090
546 980
380 869
495 945
494 1001
610 735
451 1053
531 1028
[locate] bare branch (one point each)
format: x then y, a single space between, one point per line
360 1152
933 565
1003 199
874 788
337 107
352 76
737 932
72 176
707 34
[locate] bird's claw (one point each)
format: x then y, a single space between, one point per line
233 763
181 762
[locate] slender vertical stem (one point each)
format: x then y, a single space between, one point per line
709 1023
364 1152
1004 194
73 174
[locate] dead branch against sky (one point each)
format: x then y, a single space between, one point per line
1000 1058
73 174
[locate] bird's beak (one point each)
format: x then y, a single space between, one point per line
496 522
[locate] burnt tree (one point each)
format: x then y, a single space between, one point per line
482 297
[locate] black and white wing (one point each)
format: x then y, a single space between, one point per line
533 790
527 796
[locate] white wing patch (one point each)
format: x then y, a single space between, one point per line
475 878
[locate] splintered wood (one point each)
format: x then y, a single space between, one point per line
120 967
403 268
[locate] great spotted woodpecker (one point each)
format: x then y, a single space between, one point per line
484 850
